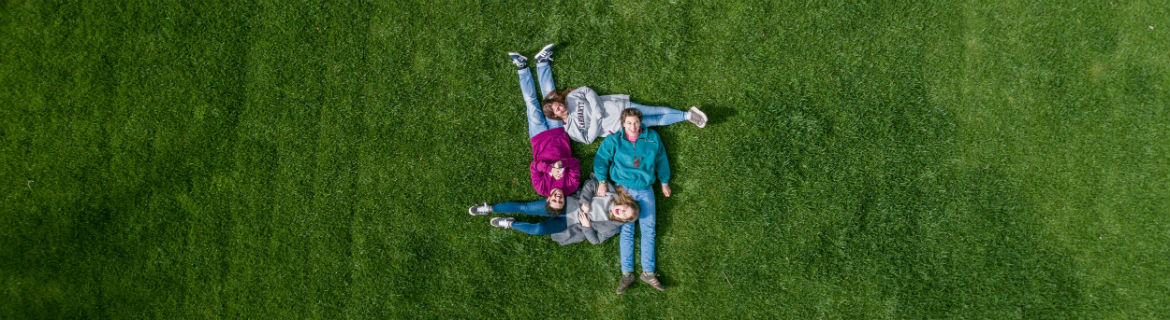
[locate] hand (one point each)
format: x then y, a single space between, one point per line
585 208
584 219
666 190
601 190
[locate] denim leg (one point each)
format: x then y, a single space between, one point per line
535 208
646 222
626 247
544 72
536 119
659 116
546 227
645 199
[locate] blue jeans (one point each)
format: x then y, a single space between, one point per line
537 122
645 199
659 116
535 208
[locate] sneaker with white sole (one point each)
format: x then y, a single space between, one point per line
518 59
480 210
697 117
505 223
545 54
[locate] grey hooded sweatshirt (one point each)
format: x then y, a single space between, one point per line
591 116
602 228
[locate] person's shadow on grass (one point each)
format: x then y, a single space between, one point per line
718 114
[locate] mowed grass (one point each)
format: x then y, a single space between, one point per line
865 159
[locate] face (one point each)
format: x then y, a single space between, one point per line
556 199
623 212
559 109
633 125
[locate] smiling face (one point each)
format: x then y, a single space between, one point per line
559 110
622 212
633 125
556 199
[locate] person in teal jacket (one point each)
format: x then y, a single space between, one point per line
634 158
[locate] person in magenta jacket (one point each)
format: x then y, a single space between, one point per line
554 170
553 166
555 173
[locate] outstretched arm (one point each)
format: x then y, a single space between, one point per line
602 160
662 167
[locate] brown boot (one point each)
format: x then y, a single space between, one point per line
651 280
627 280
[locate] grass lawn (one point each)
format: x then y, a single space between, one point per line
865 159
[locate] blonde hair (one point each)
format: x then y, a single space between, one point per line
623 198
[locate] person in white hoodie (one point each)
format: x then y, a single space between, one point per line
588 116
585 115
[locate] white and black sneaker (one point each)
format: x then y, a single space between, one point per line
697 117
480 210
518 59
545 54
505 223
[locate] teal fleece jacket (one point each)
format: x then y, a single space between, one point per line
632 164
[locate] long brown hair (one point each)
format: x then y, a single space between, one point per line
620 198
553 96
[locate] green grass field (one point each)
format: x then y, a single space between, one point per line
865 159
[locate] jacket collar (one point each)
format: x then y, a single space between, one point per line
641 136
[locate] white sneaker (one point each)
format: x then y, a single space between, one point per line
505 223
698 117
518 59
480 210
545 54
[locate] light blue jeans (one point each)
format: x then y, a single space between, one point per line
658 116
535 208
537 122
645 199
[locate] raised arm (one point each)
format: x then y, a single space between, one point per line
572 174
541 180
586 193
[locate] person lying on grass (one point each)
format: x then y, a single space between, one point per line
555 172
634 157
591 216
587 116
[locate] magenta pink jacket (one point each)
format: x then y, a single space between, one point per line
548 147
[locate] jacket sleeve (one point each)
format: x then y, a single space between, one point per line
541 166
603 158
601 231
661 163
594 113
587 191
540 181
572 175
572 234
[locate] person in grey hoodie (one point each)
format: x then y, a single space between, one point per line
588 216
588 116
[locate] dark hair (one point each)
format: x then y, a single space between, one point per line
553 96
630 112
553 212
